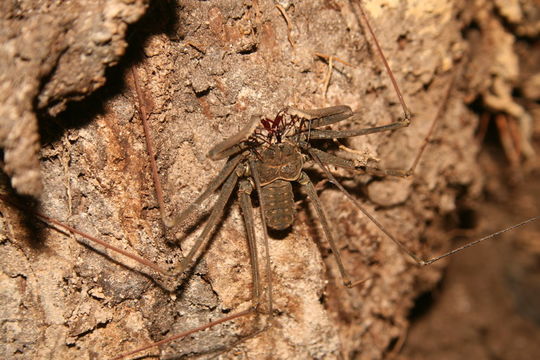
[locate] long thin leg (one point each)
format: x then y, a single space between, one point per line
216 152
244 192
337 113
186 333
402 246
195 206
340 134
257 180
245 189
331 115
334 114
406 112
226 177
312 194
234 144
337 161
58 224
323 116
216 212
440 114
329 159
215 215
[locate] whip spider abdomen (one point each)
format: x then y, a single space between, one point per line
278 165
205 94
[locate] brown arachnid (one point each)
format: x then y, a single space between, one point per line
278 313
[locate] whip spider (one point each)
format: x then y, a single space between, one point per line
111 310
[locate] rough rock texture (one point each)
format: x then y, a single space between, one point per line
51 53
205 68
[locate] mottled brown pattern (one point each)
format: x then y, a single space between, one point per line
206 67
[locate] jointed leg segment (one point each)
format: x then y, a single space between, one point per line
229 167
340 134
257 181
215 215
323 116
329 159
312 194
400 244
247 212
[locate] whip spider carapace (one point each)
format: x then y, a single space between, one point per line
286 308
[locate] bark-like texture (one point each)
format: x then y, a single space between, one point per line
213 65
52 53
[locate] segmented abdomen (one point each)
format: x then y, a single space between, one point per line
278 204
